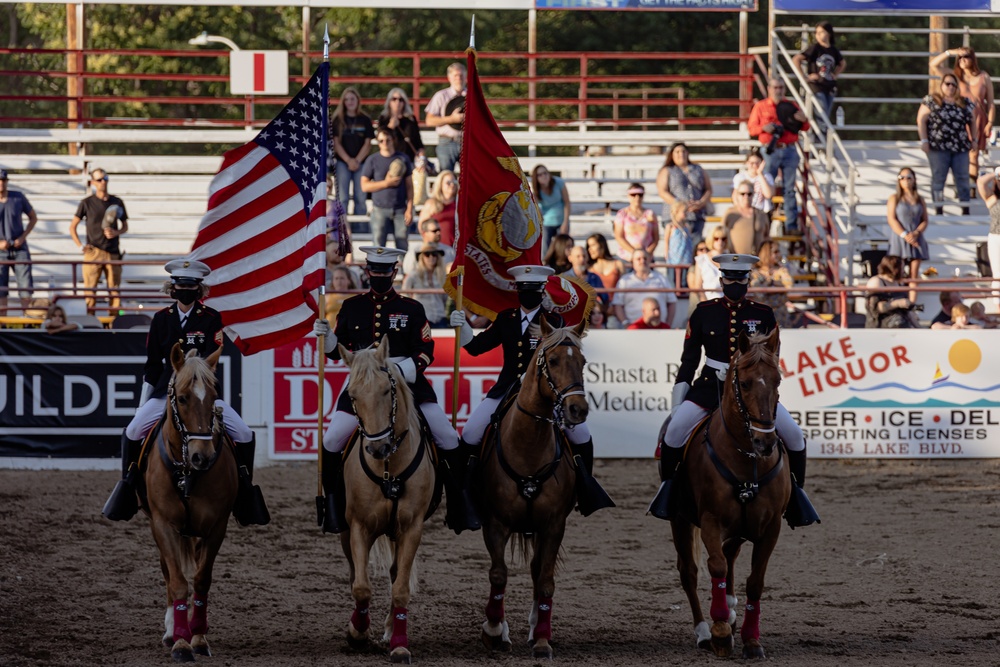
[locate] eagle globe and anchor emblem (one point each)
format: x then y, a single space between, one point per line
509 222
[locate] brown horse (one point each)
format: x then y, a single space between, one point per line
191 486
734 484
527 483
389 489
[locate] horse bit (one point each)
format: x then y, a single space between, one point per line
184 465
559 418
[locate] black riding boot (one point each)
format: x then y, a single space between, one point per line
670 460
460 513
123 502
590 495
334 520
800 511
250 509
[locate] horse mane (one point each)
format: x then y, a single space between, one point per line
365 369
757 352
195 371
557 336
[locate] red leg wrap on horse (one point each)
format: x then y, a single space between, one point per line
399 637
182 630
360 619
199 615
543 629
720 608
494 608
751 621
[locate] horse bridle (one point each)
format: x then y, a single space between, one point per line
765 426
182 429
390 430
559 413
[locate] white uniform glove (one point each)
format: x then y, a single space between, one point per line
322 328
407 367
147 391
457 319
680 390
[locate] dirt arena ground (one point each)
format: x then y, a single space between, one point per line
901 572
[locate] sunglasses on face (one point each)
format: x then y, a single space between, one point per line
395 99
906 177
98 180
638 194
702 249
746 194
718 238
949 84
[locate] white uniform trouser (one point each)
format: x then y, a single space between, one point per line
342 425
684 421
476 425
149 412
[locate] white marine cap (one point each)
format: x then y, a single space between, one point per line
187 271
530 275
381 258
736 266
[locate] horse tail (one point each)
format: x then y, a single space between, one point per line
382 558
522 546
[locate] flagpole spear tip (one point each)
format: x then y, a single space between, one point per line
326 42
472 34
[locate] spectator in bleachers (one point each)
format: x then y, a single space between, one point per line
14 206
977 315
557 256
976 85
679 179
445 112
888 310
747 226
388 176
351 135
907 215
636 227
824 63
429 274
678 239
959 319
553 201
430 232
101 214
397 116
341 280
628 305
989 190
607 267
763 184
441 208
706 274
650 318
776 122
56 321
580 269
943 123
770 272
694 276
948 301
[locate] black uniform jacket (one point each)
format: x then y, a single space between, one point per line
202 331
518 348
716 325
366 318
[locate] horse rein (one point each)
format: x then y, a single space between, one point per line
390 430
559 396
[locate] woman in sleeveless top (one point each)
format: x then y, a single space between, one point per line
883 309
441 206
607 267
679 179
907 215
989 190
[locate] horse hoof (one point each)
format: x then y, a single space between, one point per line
753 650
357 643
200 646
400 655
498 643
541 650
182 654
722 640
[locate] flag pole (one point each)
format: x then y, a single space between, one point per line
321 361
460 270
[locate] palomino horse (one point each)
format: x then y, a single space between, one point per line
389 490
527 482
734 484
191 486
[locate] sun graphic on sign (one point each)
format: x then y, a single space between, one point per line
965 356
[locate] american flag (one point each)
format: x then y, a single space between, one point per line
263 233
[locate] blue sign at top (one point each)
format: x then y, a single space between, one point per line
676 5
861 6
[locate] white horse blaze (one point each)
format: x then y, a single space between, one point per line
200 390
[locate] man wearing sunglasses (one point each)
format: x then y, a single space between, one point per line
102 213
715 326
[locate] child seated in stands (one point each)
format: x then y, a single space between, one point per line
959 319
977 315
55 320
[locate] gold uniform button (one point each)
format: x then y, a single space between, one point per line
732 340
378 307
377 334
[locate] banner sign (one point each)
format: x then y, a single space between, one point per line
647 5
856 393
72 394
926 7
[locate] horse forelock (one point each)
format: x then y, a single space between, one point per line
195 375
366 371
757 352
559 336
